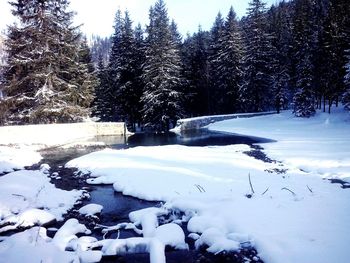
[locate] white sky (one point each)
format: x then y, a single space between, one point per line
98 15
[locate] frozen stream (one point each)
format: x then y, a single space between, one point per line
116 207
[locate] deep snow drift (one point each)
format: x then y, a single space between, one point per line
292 217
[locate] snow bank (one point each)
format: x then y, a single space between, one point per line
166 172
318 145
23 190
48 135
289 218
33 245
17 158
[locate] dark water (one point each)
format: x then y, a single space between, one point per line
117 206
202 137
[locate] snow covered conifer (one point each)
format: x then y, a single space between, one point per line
304 43
258 59
196 72
113 67
101 106
229 63
214 72
177 38
161 73
346 95
45 79
280 26
127 86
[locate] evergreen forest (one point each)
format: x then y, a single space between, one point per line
293 55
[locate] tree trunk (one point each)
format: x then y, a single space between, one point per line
324 103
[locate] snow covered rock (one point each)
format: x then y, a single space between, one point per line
171 235
91 209
67 233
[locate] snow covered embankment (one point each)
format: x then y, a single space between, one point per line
292 217
318 145
200 122
17 158
27 199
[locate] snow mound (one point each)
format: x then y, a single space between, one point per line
22 191
171 235
34 246
17 158
91 209
67 233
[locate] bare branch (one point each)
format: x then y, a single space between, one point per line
250 183
285 188
267 189
309 189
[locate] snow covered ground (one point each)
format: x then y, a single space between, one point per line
319 145
28 199
292 217
16 158
229 199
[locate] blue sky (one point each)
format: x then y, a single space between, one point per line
98 15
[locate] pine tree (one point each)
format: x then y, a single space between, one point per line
100 47
346 95
196 72
45 80
113 68
127 87
214 72
229 66
304 45
101 107
280 24
335 40
161 73
177 38
256 89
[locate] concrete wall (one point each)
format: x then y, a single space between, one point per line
200 122
58 134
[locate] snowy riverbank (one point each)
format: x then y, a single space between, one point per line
292 217
229 199
318 145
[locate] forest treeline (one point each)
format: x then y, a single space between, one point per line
293 55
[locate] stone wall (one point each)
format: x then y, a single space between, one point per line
58 134
200 122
